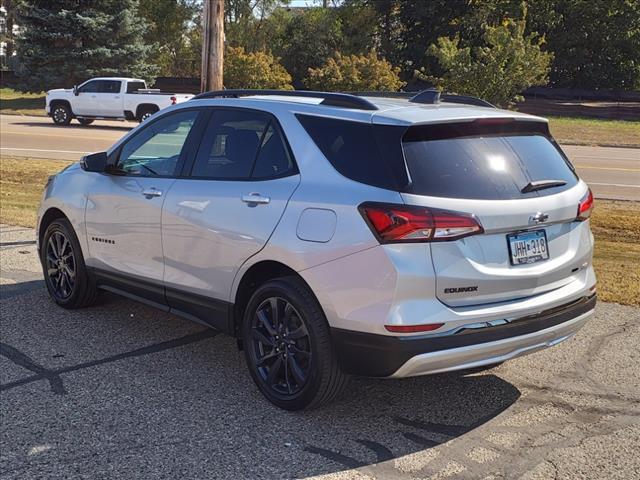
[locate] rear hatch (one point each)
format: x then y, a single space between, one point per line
521 189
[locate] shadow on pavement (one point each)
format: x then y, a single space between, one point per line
124 389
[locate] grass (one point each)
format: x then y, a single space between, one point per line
616 227
18 103
21 183
593 131
615 224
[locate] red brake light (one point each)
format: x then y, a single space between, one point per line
585 207
403 223
174 100
413 328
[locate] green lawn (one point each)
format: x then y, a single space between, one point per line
595 131
18 103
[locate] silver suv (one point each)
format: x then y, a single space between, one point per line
333 234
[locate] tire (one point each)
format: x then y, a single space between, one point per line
61 114
145 113
65 274
292 361
85 121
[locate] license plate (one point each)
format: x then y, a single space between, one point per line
528 247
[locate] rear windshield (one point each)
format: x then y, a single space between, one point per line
489 162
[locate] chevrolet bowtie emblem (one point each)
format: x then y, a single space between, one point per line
539 217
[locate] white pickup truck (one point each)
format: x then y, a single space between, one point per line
108 97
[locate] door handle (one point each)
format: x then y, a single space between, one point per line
254 198
152 192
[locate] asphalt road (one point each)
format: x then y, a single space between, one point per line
120 390
611 172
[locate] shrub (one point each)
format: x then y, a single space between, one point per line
254 70
498 71
352 73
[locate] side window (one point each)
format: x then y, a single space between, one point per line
353 150
90 87
133 87
155 151
273 159
109 86
230 144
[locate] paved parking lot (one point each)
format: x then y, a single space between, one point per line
121 390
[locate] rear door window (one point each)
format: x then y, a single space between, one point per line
483 162
133 87
109 86
273 159
242 144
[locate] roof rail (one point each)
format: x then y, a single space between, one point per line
343 100
434 96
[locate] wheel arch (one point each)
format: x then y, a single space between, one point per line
54 103
52 213
144 107
256 275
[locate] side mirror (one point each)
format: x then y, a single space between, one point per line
94 162
75 90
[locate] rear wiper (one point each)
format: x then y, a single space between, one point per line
542 184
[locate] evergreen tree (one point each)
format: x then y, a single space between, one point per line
64 42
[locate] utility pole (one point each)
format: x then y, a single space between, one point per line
212 45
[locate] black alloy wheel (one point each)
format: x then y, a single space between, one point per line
60 265
288 348
66 276
281 347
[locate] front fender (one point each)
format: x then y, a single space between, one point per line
66 193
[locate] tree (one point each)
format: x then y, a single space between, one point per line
353 73
246 22
306 39
254 70
596 43
6 32
63 42
404 27
498 71
169 34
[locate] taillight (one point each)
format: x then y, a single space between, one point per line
403 223
174 100
585 207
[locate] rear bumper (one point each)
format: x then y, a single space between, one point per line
480 344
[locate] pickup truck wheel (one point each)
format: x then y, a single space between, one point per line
61 115
288 347
144 114
85 121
